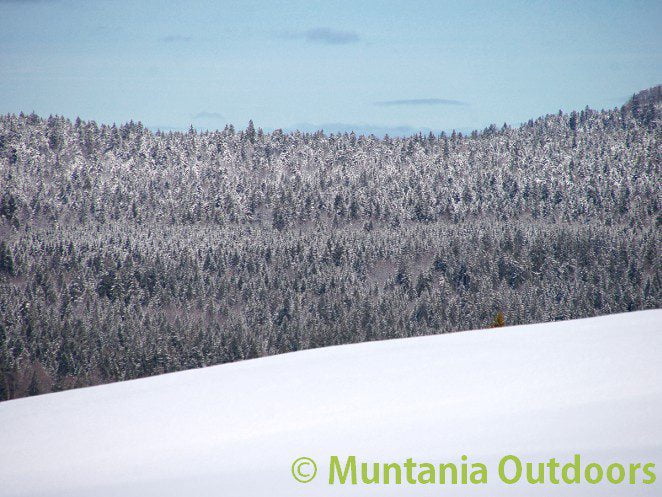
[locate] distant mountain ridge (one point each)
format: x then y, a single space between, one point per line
646 105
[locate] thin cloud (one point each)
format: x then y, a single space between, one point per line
420 101
330 36
208 115
323 36
175 39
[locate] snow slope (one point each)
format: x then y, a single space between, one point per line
590 386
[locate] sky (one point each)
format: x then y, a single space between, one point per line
392 67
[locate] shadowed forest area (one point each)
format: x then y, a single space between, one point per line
126 253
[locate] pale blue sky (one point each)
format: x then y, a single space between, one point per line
394 66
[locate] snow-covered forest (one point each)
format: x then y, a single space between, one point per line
126 253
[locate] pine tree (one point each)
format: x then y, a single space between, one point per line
6 259
250 132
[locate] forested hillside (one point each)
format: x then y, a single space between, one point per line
127 253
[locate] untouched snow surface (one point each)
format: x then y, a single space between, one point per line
591 387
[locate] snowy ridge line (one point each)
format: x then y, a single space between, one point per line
588 386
